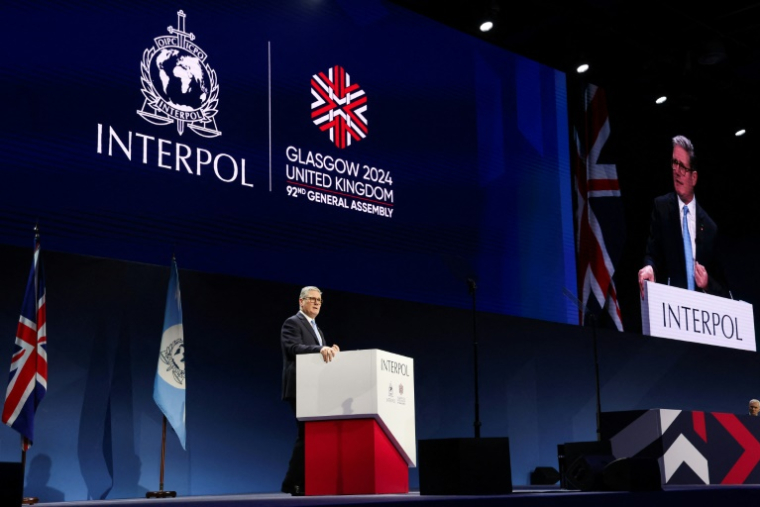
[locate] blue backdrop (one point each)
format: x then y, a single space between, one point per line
454 127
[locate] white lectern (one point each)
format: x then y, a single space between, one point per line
693 316
359 413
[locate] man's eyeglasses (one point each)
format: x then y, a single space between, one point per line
677 165
313 300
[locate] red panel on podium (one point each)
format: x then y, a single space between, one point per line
352 457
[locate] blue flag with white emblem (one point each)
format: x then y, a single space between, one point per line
169 387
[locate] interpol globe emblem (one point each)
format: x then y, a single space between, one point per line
173 357
183 79
178 84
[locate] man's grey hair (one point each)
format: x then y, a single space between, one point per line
754 401
684 143
305 291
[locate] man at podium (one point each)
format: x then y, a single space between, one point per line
682 247
301 335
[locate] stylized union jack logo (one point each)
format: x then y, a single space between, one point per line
339 106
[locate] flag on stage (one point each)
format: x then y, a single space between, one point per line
28 378
169 387
599 226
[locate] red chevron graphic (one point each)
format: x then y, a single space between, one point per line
751 456
700 428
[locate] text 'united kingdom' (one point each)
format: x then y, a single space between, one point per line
339 182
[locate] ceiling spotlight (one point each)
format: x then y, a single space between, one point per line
740 132
486 26
660 100
582 68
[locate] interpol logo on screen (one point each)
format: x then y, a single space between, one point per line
178 84
181 89
339 106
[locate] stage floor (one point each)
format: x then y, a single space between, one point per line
521 496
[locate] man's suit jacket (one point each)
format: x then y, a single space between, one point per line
297 337
665 245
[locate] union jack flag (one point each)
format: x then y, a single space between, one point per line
598 213
339 106
28 379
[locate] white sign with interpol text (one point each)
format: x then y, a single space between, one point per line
693 316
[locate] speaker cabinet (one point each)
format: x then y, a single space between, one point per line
11 484
578 472
587 472
633 474
544 476
464 466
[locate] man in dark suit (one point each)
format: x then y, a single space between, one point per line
301 335
682 245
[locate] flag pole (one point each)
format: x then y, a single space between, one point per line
169 386
31 500
163 456
27 500
161 493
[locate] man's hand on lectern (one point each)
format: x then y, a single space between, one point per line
701 276
329 352
645 274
